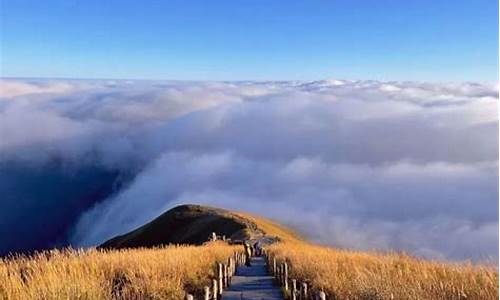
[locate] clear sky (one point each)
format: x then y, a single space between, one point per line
259 39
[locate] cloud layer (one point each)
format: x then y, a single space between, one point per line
359 164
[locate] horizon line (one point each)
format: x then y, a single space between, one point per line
245 80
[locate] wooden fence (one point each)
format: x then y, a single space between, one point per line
292 288
224 272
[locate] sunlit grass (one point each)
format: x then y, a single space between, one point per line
169 272
161 273
271 228
360 275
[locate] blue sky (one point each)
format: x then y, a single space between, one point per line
260 39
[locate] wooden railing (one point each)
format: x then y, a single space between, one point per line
224 272
292 288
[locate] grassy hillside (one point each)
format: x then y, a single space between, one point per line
160 273
360 275
193 224
167 272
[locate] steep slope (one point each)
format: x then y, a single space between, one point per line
193 224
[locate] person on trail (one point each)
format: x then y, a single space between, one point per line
248 254
257 249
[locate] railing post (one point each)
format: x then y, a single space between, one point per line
270 265
282 273
206 293
215 292
220 275
214 236
285 276
321 295
278 275
274 265
232 267
189 297
224 269
294 289
303 291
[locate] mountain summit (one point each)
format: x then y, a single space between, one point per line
194 224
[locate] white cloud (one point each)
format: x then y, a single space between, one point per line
360 164
11 88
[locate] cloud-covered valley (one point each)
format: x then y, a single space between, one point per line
359 164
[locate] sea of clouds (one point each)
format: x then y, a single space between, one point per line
357 164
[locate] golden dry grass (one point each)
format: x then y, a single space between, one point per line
361 275
271 228
160 273
169 272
